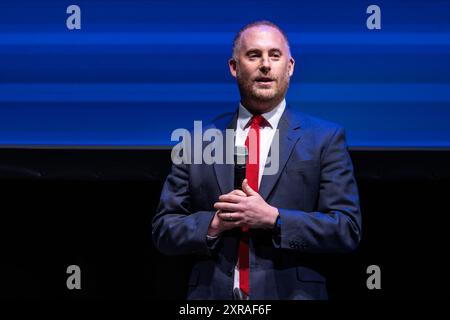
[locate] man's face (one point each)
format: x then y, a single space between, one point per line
263 67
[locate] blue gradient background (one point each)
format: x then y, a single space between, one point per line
139 69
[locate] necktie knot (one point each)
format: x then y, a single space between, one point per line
257 121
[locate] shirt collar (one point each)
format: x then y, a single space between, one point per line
272 117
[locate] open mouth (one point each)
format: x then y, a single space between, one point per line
264 80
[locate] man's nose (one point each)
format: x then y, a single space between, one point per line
265 65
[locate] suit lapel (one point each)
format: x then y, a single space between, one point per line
225 172
225 178
289 133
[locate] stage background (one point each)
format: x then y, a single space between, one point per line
139 69
86 118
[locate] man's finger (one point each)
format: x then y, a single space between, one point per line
226 206
238 192
228 217
247 189
230 198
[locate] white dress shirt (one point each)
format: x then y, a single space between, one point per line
266 136
266 132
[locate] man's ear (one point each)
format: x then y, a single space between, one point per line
233 67
291 66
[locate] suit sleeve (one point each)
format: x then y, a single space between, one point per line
336 225
175 229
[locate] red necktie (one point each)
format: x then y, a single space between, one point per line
252 175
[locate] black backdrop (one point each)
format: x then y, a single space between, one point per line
93 208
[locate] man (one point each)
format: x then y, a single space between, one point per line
260 242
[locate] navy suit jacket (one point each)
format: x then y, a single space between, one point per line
314 190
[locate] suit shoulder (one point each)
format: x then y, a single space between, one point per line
227 116
220 121
308 121
320 132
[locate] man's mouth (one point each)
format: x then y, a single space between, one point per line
264 80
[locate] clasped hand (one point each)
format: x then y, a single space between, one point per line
242 208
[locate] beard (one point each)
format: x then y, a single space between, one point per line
250 89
